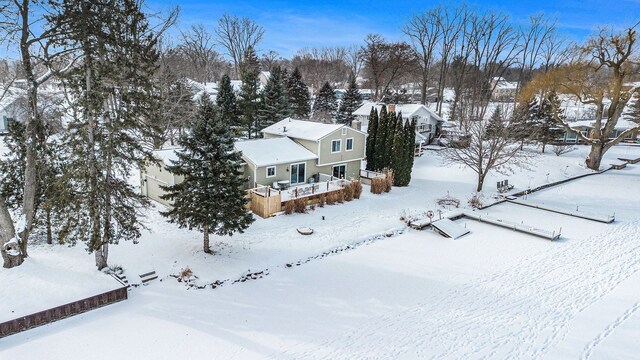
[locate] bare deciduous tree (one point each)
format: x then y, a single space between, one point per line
236 35
197 46
486 153
386 63
599 78
424 32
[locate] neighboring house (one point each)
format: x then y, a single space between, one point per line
339 148
264 77
293 152
428 123
10 107
586 126
503 90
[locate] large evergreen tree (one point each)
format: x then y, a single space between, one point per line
398 150
298 95
249 95
325 105
547 129
351 101
227 103
495 126
210 198
523 125
381 140
409 153
273 100
110 132
372 130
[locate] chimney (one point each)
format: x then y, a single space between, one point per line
356 124
391 107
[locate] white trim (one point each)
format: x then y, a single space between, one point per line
340 146
344 131
340 162
267 171
346 144
345 127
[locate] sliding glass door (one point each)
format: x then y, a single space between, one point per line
298 173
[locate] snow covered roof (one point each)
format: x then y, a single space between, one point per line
408 110
274 151
301 129
167 156
622 124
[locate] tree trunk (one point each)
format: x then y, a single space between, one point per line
595 157
543 146
480 182
7 232
102 253
206 241
49 234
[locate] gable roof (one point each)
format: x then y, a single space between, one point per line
301 129
408 110
274 151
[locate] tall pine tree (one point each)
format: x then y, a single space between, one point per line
249 95
273 100
210 199
372 130
398 152
298 95
351 101
109 135
325 106
547 130
227 103
381 146
495 126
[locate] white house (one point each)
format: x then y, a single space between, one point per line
503 90
428 122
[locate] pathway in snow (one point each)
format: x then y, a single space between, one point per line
588 350
519 312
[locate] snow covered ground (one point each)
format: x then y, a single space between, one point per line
491 294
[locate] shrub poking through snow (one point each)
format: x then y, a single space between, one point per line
389 181
322 199
300 205
348 192
475 201
378 185
357 189
560 149
340 196
331 198
185 274
289 207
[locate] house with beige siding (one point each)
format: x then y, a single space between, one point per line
340 149
292 153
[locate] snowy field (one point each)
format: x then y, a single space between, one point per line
493 293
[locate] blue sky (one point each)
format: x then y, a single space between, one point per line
291 25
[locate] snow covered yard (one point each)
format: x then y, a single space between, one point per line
493 293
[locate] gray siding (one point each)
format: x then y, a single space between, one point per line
151 178
325 156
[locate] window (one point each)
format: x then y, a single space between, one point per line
336 146
349 145
271 171
344 131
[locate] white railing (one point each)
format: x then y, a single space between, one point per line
306 190
368 174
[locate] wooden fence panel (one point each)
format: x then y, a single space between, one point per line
50 315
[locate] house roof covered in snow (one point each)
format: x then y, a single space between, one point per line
167 156
622 124
302 129
408 110
274 151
